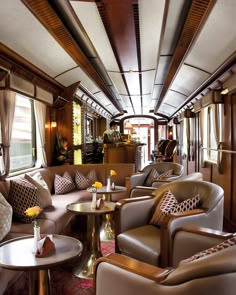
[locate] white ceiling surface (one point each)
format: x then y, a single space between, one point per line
45 53
204 60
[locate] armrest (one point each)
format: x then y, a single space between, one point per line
189 240
168 226
132 265
140 191
137 179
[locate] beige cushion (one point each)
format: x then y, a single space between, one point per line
43 192
6 217
22 195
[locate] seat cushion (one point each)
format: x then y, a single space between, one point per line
142 243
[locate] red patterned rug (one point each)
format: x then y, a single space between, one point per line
62 280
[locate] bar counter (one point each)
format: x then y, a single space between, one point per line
124 153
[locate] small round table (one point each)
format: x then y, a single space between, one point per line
108 193
85 270
107 230
16 254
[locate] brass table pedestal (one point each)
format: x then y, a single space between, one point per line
85 269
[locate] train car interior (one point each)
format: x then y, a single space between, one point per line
109 106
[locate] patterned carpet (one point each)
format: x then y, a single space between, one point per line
62 281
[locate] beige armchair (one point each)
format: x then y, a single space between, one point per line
137 238
136 182
212 274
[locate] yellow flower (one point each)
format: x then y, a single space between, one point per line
33 211
97 184
113 172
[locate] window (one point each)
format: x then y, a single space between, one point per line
211 141
23 139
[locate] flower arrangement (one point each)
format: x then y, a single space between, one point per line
63 152
33 212
112 173
96 185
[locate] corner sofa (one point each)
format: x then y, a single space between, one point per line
55 217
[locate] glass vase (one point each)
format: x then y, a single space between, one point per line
108 184
36 238
94 201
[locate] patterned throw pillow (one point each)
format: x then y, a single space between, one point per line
164 207
63 184
152 176
189 204
6 217
227 243
83 182
166 174
22 195
43 192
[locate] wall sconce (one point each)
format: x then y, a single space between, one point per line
53 119
224 91
53 124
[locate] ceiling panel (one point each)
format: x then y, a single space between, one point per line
217 39
150 16
19 35
188 79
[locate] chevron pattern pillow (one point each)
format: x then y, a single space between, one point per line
22 195
227 243
164 207
152 176
63 184
83 182
6 217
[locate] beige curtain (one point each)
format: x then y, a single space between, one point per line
216 128
7 110
40 115
201 151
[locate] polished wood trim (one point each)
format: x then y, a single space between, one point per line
132 265
44 12
21 67
198 13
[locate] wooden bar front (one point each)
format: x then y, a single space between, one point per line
123 153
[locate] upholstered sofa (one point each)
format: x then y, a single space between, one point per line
55 218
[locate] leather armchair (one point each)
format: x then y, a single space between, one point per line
213 274
146 191
135 182
135 237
